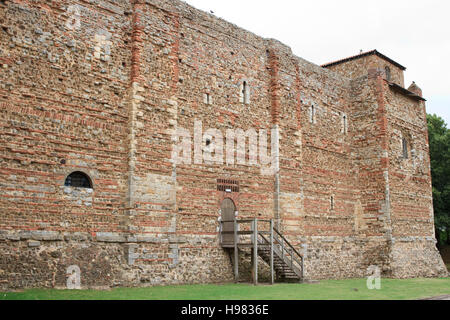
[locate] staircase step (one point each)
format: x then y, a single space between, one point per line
275 253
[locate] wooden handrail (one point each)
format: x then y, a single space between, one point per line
264 238
287 253
281 243
285 240
243 221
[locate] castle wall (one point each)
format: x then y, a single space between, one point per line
357 68
63 108
186 55
411 204
106 97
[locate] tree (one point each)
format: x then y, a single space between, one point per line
439 139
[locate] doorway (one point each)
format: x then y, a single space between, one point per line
228 210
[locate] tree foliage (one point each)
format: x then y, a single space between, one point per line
439 139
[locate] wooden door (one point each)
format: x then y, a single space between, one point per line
228 210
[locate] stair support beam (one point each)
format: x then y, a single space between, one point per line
236 252
255 251
271 253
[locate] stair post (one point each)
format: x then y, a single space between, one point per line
220 231
271 252
292 257
303 268
255 251
236 252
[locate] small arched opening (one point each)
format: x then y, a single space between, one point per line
387 70
312 116
344 124
405 148
245 93
78 179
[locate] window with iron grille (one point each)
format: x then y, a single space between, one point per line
226 185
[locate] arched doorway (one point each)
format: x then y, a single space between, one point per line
228 210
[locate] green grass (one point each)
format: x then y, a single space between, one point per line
391 289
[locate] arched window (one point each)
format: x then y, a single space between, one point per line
245 94
388 73
344 124
78 179
405 148
207 98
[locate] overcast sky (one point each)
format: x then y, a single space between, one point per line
414 33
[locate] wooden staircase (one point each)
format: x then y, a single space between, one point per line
265 241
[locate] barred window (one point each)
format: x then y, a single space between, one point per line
226 185
78 179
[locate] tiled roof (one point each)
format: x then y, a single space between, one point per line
405 92
361 55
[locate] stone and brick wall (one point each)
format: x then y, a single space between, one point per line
102 86
359 67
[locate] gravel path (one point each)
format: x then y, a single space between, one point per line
446 297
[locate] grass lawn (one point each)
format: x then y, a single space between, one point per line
391 289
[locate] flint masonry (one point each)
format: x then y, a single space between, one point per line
91 93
